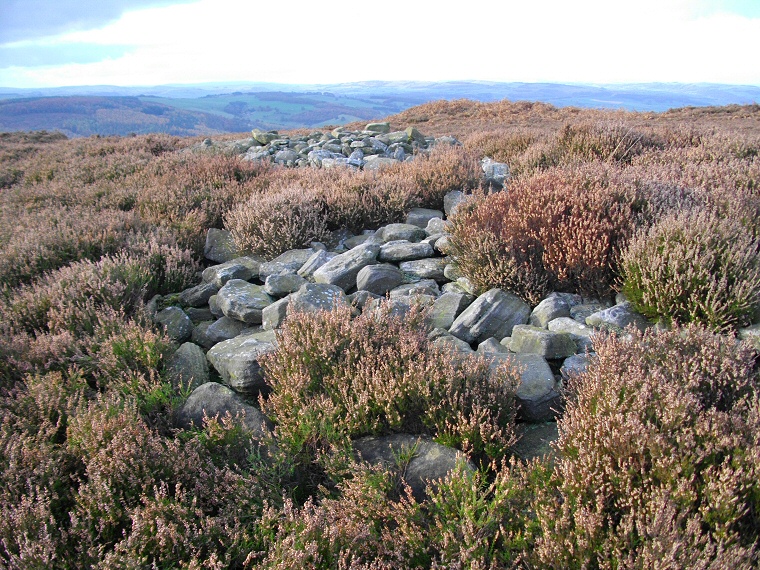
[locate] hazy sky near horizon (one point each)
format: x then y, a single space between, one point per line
48 43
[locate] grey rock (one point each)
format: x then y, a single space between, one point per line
379 162
261 335
243 301
447 308
493 314
491 346
223 329
495 173
403 250
360 299
356 159
213 306
213 400
274 315
220 246
199 295
535 340
468 286
580 312
289 262
436 226
315 157
423 287
199 314
379 279
617 318
535 441
427 461
421 216
245 268
199 336
384 127
452 201
452 272
549 309
187 367
574 365
431 268
317 260
363 239
408 232
237 362
176 323
343 269
264 137
283 284
453 344
415 135
285 156
537 397
314 297
580 333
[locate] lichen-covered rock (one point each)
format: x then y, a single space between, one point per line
176 323
187 367
430 268
535 340
421 216
220 246
447 308
403 250
617 318
314 297
243 301
379 279
237 362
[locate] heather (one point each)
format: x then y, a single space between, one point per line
657 461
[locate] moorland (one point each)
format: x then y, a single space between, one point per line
657 461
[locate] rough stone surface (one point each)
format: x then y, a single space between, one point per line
199 295
289 262
236 361
535 441
447 308
535 340
426 287
187 367
245 268
199 314
452 201
496 173
314 297
213 400
430 268
549 309
408 232
379 279
343 269
283 284
315 261
617 318
429 461
403 250
580 312
177 324
437 226
537 397
243 301
492 346
576 364
220 246
493 314
580 333
199 336
274 315
223 329
421 216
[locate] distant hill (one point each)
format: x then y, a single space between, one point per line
208 109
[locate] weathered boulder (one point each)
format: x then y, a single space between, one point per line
573 365
384 127
245 268
495 173
403 250
493 314
580 333
212 400
535 340
452 201
176 323
552 307
223 329
237 362
379 279
289 262
243 301
429 268
187 367
264 137
421 216
315 261
314 297
199 295
447 308
283 284
408 232
220 246
617 318
422 461
427 287
342 269
437 226
274 315
580 312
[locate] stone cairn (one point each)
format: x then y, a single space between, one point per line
230 318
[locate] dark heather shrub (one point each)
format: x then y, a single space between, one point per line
271 223
659 457
334 378
559 230
694 267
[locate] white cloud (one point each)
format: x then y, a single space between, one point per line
303 41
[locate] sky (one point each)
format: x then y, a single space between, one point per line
52 43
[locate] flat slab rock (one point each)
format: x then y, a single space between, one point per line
430 461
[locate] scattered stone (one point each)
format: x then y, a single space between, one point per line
200 314
750 335
580 333
283 284
237 362
496 173
289 262
343 269
384 127
617 318
199 295
314 297
243 301
573 365
421 216
187 367
223 329
447 308
423 287
176 323
403 250
379 279
220 246
421 461
549 309
452 201
580 312
274 315
493 314
317 260
534 340
212 400
408 232
245 268
437 226
429 268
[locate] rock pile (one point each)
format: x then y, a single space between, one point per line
370 149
